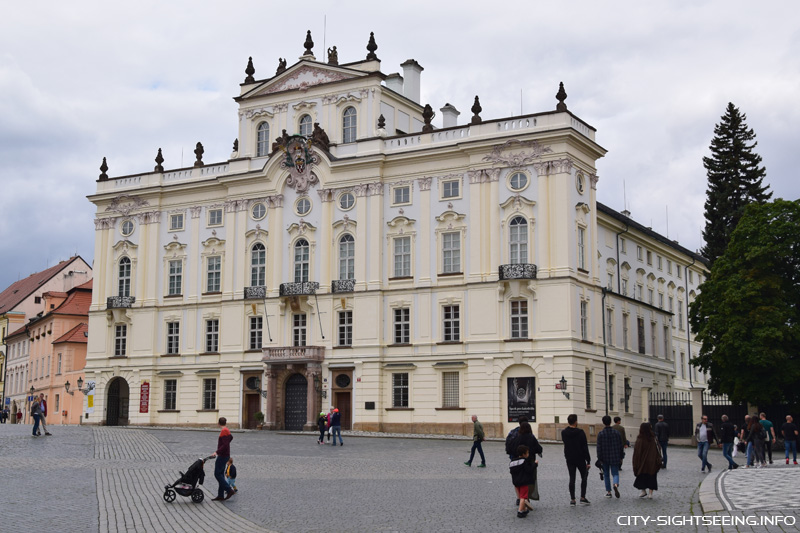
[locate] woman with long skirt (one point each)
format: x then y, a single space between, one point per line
646 461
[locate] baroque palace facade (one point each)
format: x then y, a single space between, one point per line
350 254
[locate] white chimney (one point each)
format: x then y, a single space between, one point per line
449 116
395 82
411 73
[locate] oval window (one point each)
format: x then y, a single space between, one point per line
127 227
347 201
518 181
303 206
259 211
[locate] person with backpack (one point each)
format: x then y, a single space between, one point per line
511 450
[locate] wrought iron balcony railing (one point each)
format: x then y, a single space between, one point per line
294 354
299 289
518 271
255 292
343 285
119 302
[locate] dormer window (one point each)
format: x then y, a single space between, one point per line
262 146
305 125
349 125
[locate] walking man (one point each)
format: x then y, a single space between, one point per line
662 436
727 434
336 427
609 452
790 433
704 433
477 438
43 418
621 430
222 454
770 430
576 452
36 413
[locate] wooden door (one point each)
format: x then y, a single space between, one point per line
252 405
344 404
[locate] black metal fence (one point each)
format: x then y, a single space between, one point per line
677 410
716 406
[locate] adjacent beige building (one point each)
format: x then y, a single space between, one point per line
350 254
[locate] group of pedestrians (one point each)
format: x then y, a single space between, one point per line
4 415
330 425
39 414
755 440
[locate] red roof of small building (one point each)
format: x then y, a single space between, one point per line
17 331
77 334
78 301
18 291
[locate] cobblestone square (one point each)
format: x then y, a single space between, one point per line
98 479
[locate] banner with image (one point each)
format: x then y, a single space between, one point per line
522 398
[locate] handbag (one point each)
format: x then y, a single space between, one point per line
533 492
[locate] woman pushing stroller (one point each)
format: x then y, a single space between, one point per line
222 454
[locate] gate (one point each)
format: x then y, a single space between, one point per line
112 406
716 406
677 410
296 394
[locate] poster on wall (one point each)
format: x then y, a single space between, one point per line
90 397
144 397
522 398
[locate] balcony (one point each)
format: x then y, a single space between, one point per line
303 288
259 292
119 302
518 271
294 354
343 285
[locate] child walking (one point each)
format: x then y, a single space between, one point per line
230 475
322 423
523 469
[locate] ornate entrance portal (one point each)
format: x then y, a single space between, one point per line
294 414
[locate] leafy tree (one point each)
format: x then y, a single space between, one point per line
735 180
746 316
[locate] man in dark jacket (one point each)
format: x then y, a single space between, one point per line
619 428
511 447
662 436
609 452
576 452
728 433
704 433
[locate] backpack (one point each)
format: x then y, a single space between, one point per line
512 441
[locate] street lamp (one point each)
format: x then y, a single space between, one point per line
32 390
563 383
86 391
628 390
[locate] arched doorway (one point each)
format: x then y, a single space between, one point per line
117 399
295 401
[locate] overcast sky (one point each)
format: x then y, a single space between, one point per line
82 80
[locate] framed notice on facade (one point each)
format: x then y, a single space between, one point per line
144 397
522 398
90 397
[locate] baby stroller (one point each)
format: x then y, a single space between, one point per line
186 485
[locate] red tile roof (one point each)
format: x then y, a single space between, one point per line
17 331
18 291
77 303
77 334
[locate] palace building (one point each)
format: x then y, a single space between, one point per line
351 254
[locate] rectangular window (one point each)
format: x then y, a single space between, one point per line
402 257
519 319
650 296
625 318
452 324
669 266
58 365
345 328
175 277
588 389
170 394
666 341
581 248
210 393
299 329
680 315
214 274
661 300
215 217
450 389
640 333
627 385
671 303
609 326
120 341
653 338
400 389
450 189
691 277
176 222
622 244
401 195
624 287
650 258
659 262
58 403
683 365
610 384
679 273
610 285
451 253
173 338
47 372
256 327
639 253
402 326
212 335
640 290
584 321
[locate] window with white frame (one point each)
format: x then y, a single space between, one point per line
47 372
639 253
214 274
650 296
176 222
581 248
679 273
301 261
584 320
610 284
669 266
650 258
622 245
258 211
627 386
451 252
262 142
666 342
349 125
518 241
519 319
451 189
345 328
680 315
683 365
452 323
258 265
611 383
661 300
518 181
124 282
175 277
401 195
173 338
658 262
305 126
653 338
212 335
402 325
58 402
170 394
299 329
400 389
588 389
347 257
640 333
609 326
256 329
120 341
691 277
671 304
624 287
215 217
450 386
210 393
346 201
640 290
402 257
625 319
58 365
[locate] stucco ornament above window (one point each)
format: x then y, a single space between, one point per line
298 159
502 154
125 203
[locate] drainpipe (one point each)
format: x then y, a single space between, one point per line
605 352
688 331
619 282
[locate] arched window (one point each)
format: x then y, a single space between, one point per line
349 125
518 241
124 277
301 252
258 261
347 257
305 125
262 146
